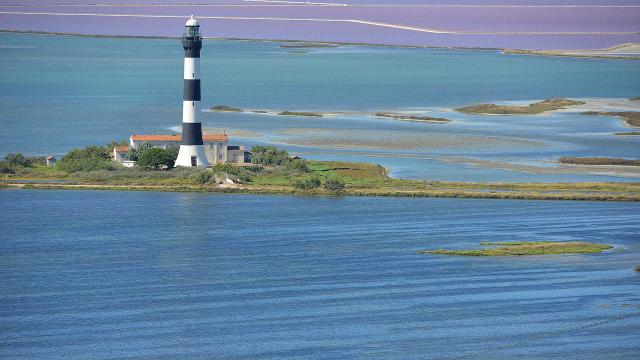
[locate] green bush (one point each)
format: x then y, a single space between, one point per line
203 177
307 184
87 159
298 165
17 159
155 159
334 185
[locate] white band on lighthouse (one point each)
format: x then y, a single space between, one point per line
191 68
190 111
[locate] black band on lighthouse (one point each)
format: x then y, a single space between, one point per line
191 134
191 90
192 46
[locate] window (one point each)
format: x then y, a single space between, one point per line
194 161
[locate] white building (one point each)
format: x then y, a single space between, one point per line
216 146
120 155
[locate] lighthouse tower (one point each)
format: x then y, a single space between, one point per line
191 150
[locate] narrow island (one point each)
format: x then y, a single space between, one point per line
599 161
632 118
225 108
411 117
272 171
628 133
521 248
530 109
300 113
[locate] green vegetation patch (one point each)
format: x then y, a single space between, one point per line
629 133
599 161
411 117
526 248
531 109
632 118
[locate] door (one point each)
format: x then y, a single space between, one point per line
194 161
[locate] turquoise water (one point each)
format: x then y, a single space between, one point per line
61 92
106 274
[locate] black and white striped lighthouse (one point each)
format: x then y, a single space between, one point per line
191 149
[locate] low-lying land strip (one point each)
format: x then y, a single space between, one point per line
632 118
630 51
530 109
599 161
276 172
526 248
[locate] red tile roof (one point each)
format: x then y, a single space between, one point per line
123 149
178 138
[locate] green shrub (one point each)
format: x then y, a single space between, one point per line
155 159
334 185
87 159
203 177
17 159
298 165
307 184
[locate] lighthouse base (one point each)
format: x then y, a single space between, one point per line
191 156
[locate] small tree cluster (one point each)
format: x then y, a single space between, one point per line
87 159
12 162
269 155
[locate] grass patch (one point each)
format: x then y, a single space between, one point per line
521 248
598 161
632 118
531 109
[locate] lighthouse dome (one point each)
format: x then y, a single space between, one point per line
192 22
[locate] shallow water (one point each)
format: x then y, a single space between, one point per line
107 274
59 93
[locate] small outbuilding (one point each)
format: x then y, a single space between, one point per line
51 160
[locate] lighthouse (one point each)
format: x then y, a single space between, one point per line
191 149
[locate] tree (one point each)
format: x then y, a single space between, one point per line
334 185
134 153
17 159
87 159
173 151
155 159
298 165
5 168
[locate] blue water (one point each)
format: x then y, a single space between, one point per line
62 92
105 274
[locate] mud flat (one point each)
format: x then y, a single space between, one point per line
526 248
411 117
599 161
